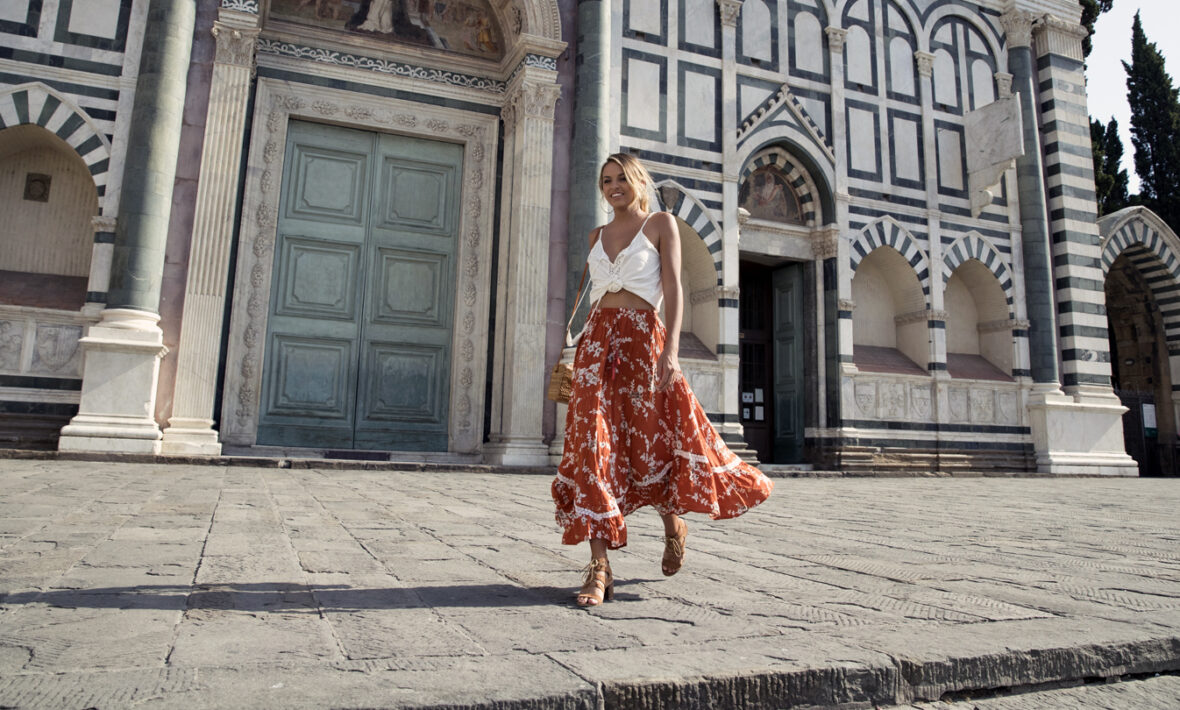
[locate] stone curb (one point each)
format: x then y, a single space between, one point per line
904 682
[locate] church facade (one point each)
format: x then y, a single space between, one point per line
352 228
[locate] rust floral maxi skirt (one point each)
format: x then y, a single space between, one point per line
627 446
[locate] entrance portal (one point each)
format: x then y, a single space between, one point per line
771 321
358 343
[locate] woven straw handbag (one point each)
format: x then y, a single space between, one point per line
561 377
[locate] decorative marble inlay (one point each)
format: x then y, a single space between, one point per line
983 406
250 6
56 350
12 338
920 401
866 398
381 66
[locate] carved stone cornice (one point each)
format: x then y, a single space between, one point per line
729 12
836 37
1018 27
1060 37
1003 324
920 316
235 45
248 6
1003 84
925 62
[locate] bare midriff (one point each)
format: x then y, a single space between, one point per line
624 299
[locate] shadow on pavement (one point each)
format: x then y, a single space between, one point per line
289 598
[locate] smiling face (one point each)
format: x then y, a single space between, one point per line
619 193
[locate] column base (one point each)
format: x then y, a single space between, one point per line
110 433
123 353
531 452
190 437
1080 435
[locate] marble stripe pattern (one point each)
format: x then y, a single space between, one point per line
38 104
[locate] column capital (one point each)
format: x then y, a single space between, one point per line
925 61
104 223
235 44
531 99
1058 36
1003 84
1018 27
836 37
825 244
729 11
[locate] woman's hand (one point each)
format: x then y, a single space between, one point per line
667 370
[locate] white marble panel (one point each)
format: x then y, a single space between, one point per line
862 127
858 67
699 22
859 10
700 96
96 18
901 67
816 109
946 90
983 92
644 16
643 95
950 160
14 10
897 21
906 155
756 26
751 98
809 43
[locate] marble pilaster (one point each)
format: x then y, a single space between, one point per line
520 372
190 429
730 326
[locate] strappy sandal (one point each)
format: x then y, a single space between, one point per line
674 550
599 584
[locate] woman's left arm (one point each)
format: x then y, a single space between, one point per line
668 367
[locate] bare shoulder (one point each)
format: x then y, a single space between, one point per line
661 225
594 235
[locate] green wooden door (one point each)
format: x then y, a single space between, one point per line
788 363
358 339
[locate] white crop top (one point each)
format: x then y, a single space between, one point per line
636 269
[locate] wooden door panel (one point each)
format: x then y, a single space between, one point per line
317 279
329 185
788 364
412 288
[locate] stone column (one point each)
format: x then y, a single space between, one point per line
1079 432
1038 275
124 348
519 370
729 329
591 142
190 429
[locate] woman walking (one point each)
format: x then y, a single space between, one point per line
635 434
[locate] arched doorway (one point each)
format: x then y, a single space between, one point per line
1141 261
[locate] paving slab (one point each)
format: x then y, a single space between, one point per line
193 586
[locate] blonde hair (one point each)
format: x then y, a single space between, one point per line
636 175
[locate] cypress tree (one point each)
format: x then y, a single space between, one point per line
1091 9
1110 180
1155 126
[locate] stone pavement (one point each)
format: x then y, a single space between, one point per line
191 586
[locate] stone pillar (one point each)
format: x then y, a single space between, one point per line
1079 432
124 348
99 281
1038 275
190 429
729 329
936 363
519 370
591 142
